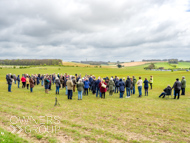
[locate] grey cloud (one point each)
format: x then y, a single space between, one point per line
76 30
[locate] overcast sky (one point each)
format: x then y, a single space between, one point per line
106 30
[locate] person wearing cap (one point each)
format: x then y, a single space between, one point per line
177 88
167 91
183 85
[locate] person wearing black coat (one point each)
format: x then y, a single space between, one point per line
167 91
177 88
18 79
121 88
9 81
97 87
7 76
93 86
128 86
116 85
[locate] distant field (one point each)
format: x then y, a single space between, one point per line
146 119
179 65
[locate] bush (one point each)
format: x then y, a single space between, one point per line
44 64
14 67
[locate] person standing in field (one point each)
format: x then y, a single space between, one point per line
131 88
9 81
74 83
49 82
27 82
125 85
146 86
18 80
116 85
93 85
97 87
86 86
177 88
42 80
46 83
128 86
134 83
121 88
57 83
139 84
111 86
70 88
31 81
23 79
80 86
14 77
103 86
65 82
183 85
61 81
151 81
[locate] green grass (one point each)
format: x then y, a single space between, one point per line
148 119
168 66
7 137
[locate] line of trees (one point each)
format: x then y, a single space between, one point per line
31 62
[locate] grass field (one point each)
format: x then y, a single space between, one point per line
146 119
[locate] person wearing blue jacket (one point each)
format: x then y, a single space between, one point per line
18 79
97 87
38 80
42 79
90 83
86 86
146 86
121 87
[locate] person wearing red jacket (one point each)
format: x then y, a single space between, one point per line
102 86
23 79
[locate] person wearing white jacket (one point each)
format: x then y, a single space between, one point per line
139 84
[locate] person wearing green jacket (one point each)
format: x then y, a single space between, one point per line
183 85
111 85
134 83
151 81
80 87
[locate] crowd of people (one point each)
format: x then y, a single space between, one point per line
89 83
